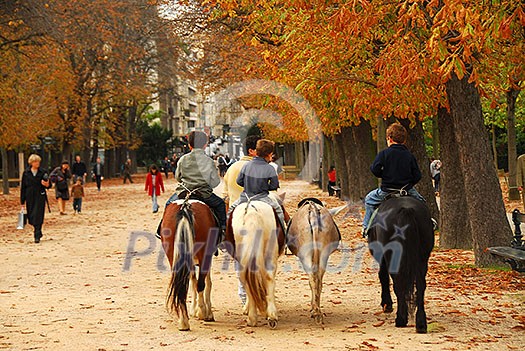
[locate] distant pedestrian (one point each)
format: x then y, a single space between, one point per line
435 172
77 193
332 181
33 197
79 170
166 166
98 172
127 171
222 164
174 162
60 177
154 185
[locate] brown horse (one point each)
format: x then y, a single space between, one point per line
189 237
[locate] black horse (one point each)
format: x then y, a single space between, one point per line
401 238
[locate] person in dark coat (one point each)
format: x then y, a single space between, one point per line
60 176
79 170
33 195
98 172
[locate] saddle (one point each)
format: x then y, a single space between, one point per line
396 193
229 237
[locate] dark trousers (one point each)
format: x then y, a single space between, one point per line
126 177
98 179
218 206
331 191
437 180
77 204
38 231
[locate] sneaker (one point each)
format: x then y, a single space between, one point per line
365 233
434 224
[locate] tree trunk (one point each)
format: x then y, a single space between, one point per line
436 145
348 151
454 228
482 188
494 147
512 96
416 144
340 164
381 134
5 171
364 154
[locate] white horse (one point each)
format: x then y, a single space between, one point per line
257 251
313 236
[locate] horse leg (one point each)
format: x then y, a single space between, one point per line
386 298
312 279
207 295
271 310
252 312
201 285
402 306
318 289
193 288
184 320
421 284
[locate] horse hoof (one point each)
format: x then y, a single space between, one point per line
319 319
209 319
272 323
184 328
388 308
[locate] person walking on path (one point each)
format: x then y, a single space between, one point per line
77 193
174 162
98 173
127 171
33 197
435 172
154 185
79 170
60 177
332 180
166 166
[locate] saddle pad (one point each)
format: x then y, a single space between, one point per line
508 252
191 201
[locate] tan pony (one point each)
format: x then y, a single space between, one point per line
258 243
313 236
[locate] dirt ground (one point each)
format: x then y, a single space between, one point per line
98 281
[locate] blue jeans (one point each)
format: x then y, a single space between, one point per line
155 203
77 205
376 198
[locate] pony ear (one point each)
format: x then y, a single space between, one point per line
282 196
337 210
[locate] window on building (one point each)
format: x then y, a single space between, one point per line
191 124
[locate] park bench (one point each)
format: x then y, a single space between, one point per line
336 190
515 254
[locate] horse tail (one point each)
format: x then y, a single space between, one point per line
411 254
315 228
254 272
182 262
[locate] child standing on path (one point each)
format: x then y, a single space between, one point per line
154 185
77 193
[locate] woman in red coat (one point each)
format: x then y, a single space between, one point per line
154 184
